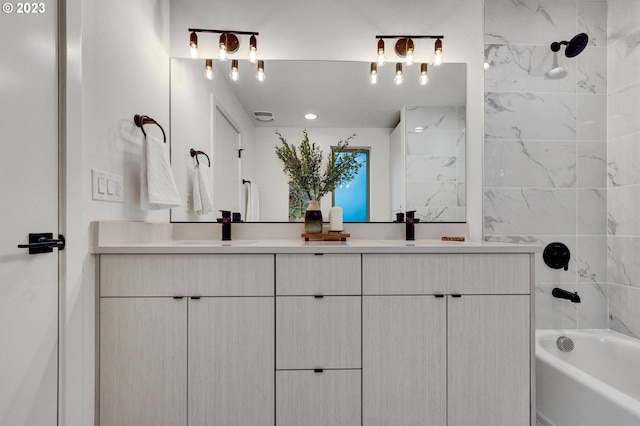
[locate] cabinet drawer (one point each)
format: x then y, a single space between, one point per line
310 274
179 275
408 273
309 398
316 332
446 273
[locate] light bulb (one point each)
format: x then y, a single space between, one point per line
253 49
424 77
398 78
223 47
437 52
260 76
208 69
373 75
234 75
409 59
380 52
193 44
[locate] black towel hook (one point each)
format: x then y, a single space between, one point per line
141 120
195 154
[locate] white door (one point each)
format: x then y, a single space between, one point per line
226 164
29 200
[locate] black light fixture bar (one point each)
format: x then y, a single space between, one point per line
202 30
410 36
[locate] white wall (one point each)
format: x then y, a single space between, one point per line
116 66
274 187
346 30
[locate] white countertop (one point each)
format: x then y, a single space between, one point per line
300 246
160 238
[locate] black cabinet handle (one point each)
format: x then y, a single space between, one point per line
318 254
178 297
318 296
456 295
318 370
195 297
439 295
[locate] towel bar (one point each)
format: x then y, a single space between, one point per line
141 120
195 154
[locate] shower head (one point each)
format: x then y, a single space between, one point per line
575 46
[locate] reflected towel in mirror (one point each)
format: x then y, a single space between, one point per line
158 188
252 213
202 198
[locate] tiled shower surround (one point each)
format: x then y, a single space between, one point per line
562 152
545 172
623 158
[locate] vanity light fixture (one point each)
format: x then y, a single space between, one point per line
398 78
380 52
193 44
260 73
228 42
424 76
208 69
233 74
253 49
373 74
437 52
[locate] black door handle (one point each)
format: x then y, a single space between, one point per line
43 243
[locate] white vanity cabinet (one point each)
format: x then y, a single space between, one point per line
186 340
446 339
318 339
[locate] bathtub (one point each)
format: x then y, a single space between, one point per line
598 383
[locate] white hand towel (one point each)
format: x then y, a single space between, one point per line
202 198
158 188
253 202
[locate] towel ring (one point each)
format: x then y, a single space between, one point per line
141 120
195 154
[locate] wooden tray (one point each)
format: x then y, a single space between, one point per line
333 236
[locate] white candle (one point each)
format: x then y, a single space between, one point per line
335 219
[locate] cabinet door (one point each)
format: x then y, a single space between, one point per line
404 360
489 360
143 361
231 361
316 332
307 398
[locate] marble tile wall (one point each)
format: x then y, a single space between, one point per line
435 180
545 170
623 157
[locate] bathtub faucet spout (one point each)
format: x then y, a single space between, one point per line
564 294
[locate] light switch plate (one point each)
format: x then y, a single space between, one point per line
107 186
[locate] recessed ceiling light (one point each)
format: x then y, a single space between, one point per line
419 129
310 116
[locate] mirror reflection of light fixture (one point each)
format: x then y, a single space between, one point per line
437 52
398 78
260 76
253 49
424 76
380 52
229 44
193 44
208 69
373 74
233 74
404 49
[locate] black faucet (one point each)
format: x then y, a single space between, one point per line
564 294
410 229
225 220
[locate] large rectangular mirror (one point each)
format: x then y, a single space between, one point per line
413 135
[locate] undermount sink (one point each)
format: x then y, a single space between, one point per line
214 243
